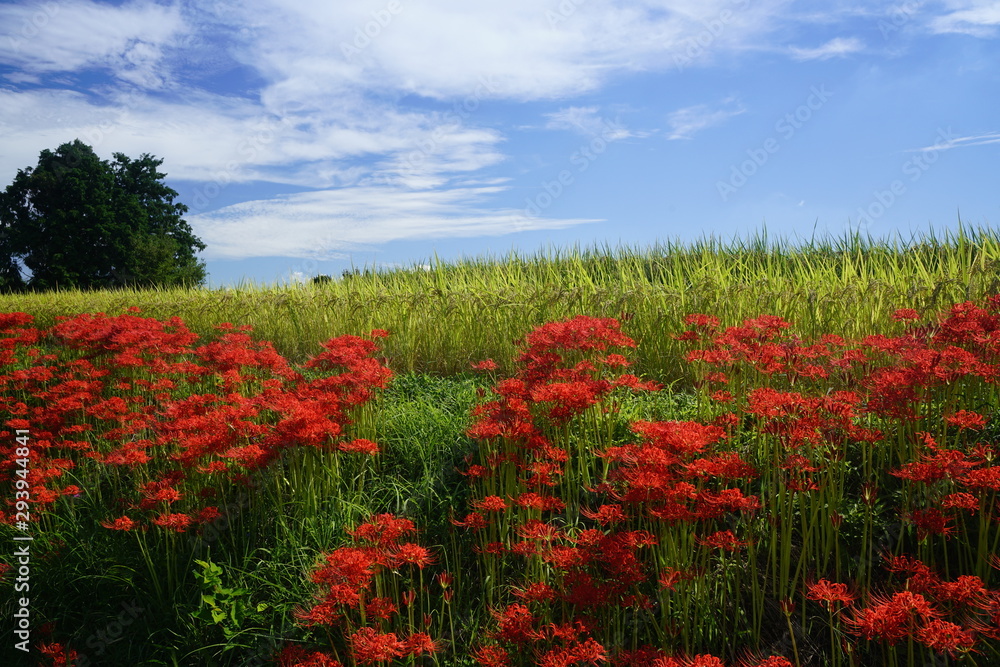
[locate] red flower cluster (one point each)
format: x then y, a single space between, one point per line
347 580
599 572
135 392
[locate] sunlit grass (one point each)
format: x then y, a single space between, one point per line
452 313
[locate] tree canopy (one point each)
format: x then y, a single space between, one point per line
76 221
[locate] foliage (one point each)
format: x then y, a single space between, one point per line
221 606
76 221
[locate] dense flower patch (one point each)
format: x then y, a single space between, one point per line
140 398
834 502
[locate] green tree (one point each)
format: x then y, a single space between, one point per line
75 220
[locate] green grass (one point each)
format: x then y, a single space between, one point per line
443 318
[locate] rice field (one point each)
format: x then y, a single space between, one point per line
445 315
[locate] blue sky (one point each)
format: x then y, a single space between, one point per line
309 137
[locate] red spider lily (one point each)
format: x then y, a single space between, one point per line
564 557
61 656
578 333
383 529
472 521
491 655
293 655
712 505
669 577
411 554
679 437
961 500
587 652
921 578
724 465
192 435
569 398
359 445
516 625
945 637
931 522
485 365
176 521
348 565
869 493
369 646
536 592
606 515
942 464
491 504
537 530
208 514
420 643
830 593
644 656
722 396
903 314
537 501
165 495
701 320
328 612
615 361
380 607
893 619
773 661
966 419
723 539
965 591
121 523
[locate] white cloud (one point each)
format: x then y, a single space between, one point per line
212 138
835 48
686 122
947 142
978 18
328 223
588 121
54 36
453 49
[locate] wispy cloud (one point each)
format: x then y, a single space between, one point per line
561 50
128 40
220 139
978 18
685 123
835 48
589 121
329 223
948 142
